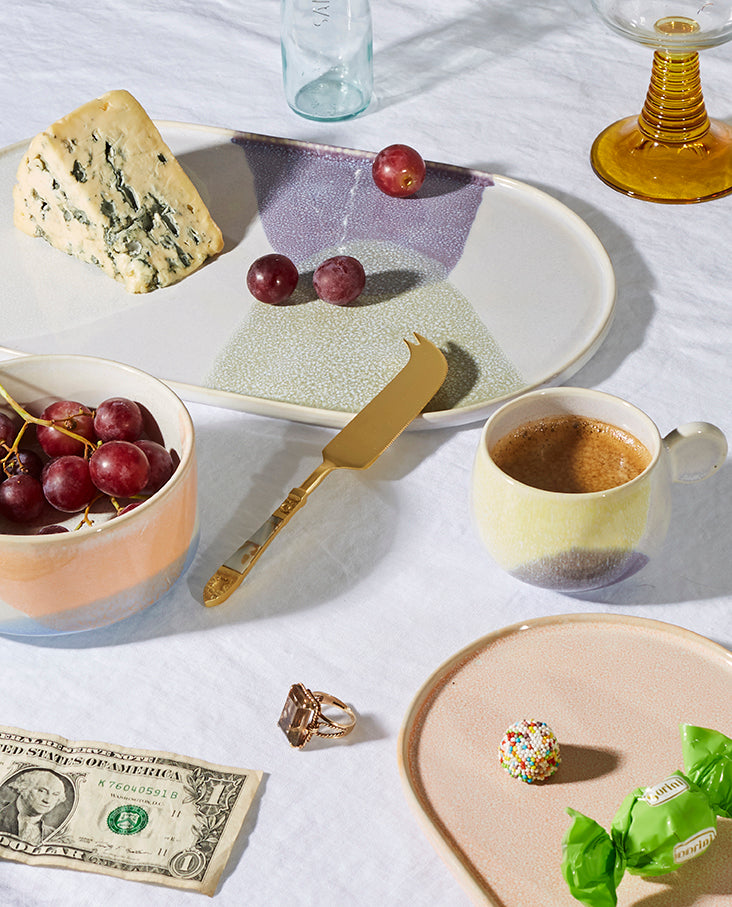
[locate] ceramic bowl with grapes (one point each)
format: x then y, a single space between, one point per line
117 554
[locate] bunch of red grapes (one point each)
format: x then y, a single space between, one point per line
81 455
398 171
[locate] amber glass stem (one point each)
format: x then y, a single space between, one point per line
674 110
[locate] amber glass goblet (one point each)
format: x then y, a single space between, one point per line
672 152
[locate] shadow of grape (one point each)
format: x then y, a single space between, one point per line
379 287
391 283
444 180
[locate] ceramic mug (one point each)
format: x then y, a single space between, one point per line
575 542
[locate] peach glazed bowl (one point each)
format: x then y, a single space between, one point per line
90 552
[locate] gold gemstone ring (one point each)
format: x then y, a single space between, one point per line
302 716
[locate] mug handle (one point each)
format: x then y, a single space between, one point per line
696 450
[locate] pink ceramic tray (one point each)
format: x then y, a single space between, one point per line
614 689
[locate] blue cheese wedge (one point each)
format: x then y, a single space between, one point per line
101 184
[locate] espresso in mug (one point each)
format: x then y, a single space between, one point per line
570 454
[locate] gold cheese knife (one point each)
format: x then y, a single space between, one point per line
364 438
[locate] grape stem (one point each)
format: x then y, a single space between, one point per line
13 448
85 520
27 417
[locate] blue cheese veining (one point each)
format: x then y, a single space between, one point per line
101 184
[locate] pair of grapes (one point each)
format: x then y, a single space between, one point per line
84 454
398 171
339 280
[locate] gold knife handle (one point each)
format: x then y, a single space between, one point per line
231 574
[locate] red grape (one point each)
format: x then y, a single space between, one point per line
398 170
23 461
66 483
8 431
72 416
118 419
119 461
339 280
161 464
272 278
119 468
21 499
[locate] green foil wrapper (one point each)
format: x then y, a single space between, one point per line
656 828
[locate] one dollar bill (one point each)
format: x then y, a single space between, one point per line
135 814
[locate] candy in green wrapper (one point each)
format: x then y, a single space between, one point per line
707 758
657 828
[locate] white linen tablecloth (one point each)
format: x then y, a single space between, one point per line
383 577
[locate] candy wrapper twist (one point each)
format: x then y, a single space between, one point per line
656 828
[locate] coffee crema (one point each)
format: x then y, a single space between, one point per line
570 454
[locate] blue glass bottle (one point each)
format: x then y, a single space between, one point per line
327 52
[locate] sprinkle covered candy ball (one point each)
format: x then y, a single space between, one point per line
529 751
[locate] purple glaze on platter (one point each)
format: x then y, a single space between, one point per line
581 570
316 198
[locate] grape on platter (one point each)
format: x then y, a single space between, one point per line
339 280
272 278
398 170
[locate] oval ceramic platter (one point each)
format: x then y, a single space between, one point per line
512 285
614 690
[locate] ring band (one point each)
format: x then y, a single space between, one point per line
302 716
